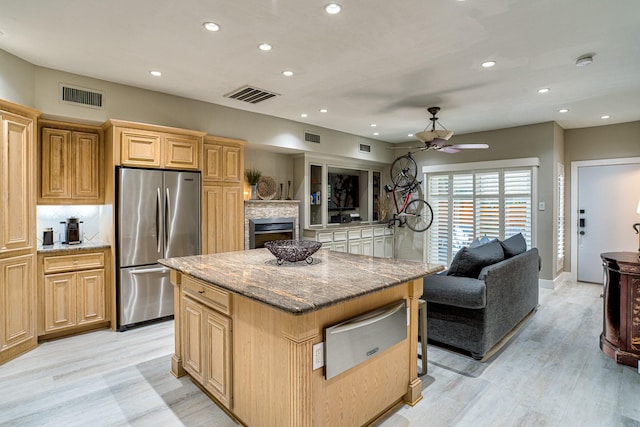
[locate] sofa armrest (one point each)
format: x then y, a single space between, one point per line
457 291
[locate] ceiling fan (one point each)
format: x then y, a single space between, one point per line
436 139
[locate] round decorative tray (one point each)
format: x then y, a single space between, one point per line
293 250
266 188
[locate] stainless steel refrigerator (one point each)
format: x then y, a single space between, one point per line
158 216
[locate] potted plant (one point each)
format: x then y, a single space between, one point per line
253 177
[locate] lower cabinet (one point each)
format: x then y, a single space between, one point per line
73 293
207 347
17 311
374 240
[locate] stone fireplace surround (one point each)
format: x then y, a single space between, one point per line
259 209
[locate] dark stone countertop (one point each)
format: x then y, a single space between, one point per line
299 288
70 249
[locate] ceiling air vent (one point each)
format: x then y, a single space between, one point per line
250 94
81 96
365 148
312 137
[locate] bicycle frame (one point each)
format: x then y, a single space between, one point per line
400 214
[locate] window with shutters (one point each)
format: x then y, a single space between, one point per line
495 203
560 219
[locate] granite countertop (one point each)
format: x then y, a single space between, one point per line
299 288
81 247
352 224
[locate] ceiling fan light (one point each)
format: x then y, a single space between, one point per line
430 135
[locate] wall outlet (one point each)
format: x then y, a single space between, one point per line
541 206
318 356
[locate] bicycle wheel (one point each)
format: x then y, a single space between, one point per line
404 171
419 215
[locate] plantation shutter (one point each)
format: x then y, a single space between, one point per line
462 219
487 194
438 238
517 204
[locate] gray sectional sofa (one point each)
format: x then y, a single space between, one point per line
474 313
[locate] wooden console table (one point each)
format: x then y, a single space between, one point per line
620 338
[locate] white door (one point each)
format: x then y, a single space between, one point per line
607 202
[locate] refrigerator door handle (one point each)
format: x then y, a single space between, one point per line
167 220
158 220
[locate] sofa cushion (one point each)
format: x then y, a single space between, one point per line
469 261
462 292
514 245
479 241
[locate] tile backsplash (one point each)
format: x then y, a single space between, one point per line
97 221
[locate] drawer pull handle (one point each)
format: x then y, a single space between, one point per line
367 319
201 292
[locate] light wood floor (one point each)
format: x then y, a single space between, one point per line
551 373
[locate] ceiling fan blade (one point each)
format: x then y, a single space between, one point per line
450 150
469 146
406 148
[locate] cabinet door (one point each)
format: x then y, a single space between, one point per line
367 247
140 148
59 301
56 164
90 296
378 246
218 356
192 338
232 225
212 162
17 290
232 169
86 162
17 210
339 246
181 152
355 247
388 246
211 218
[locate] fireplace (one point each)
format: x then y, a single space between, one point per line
263 230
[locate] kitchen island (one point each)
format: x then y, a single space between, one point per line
246 330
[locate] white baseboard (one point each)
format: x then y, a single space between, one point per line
553 284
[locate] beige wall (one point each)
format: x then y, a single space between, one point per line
16 80
596 143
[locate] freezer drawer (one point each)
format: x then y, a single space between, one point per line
144 293
351 342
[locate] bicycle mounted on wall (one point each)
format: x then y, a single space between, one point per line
410 209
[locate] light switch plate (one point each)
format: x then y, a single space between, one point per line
541 206
318 356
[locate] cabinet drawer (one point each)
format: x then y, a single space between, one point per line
339 236
55 264
378 231
354 234
207 294
325 237
367 232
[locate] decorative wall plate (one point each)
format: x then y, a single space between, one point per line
266 189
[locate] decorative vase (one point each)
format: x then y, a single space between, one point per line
288 190
254 191
281 192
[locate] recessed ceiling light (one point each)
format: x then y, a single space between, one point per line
373 125
155 73
410 135
333 8
287 73
544 90
323 110
606 116
211 26
488 64
376 133
264 46
563 110
303 115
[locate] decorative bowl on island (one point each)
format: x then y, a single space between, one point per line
293 250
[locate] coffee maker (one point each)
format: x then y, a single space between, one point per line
72 231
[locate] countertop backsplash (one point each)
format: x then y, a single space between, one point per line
96 220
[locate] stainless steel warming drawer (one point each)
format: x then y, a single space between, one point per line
353 341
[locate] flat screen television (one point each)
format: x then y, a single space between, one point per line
344 191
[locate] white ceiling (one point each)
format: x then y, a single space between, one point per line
381 62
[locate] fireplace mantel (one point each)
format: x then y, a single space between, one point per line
257 209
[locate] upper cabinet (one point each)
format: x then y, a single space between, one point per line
223 159
17 212
71 164
149 146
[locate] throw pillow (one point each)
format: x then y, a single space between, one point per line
470 261
514 245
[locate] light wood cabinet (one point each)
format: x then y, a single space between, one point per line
17 198
73 292
206 341
71 164
222 195
17 230
17 317
142 145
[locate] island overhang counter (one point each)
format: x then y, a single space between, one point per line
246 327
